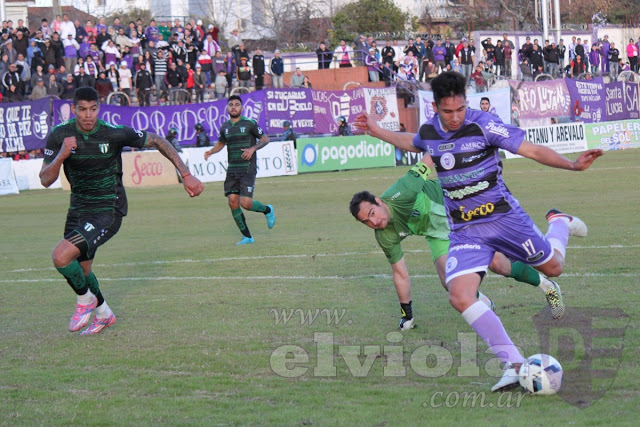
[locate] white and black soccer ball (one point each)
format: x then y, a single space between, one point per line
541 374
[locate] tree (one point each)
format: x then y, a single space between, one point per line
492 14
131 15
367 17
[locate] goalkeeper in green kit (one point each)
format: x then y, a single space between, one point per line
414 205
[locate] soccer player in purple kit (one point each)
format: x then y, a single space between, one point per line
483 215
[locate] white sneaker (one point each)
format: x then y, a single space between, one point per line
577 227
488 302
509 379
406 324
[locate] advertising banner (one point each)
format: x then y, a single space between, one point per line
24 126
329 105
536 103
562 138
182 117
276 159
341 153
8 183
382 103
587 100
613 135
295 105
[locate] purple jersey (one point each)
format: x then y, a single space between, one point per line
469 166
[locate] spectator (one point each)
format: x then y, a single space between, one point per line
478 78
200 83
306 83
614 57
343 54
189 83
12 94
38 73
296 78
8 49
577 67
84 79
439 54
499 58
21 43
325 57
234 40
230 68
277 69
45 28
76 68
144 85
525 70
258 65
244 73
69 88
594 58
67 28
172 137
53 87
221 84
12 78
90 66
553 60
632 54
111 52
210 46
174 79
161 67
104 86
371 61
205 62
114 76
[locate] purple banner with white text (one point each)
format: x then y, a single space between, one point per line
24 125
621 100
294 105
587 100
329 105
537 103
158 120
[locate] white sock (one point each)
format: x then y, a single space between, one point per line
103 311
545 284
86 298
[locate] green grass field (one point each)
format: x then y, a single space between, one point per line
197 341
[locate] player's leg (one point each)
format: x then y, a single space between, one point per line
232 192
520 272
468 260
104 316
561 226
249 203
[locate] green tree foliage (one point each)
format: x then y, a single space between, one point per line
367 17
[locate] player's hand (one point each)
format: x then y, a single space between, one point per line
68 145
193 185
247 153
207 154
586 159
365 123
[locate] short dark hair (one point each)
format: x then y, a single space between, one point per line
449 83
85 94
358 198
484 98
234 97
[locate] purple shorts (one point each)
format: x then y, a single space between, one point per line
514 234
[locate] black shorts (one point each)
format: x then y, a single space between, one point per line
87 232
240 183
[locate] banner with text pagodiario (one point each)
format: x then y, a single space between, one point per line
276 159
608 136
341 153
562 138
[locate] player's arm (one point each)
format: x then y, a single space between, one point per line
401 280
50 171
192 185
402 140
549 157
216 148
247 153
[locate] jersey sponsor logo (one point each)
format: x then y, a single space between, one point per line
226 131
474 157
482 210
104 148
48 152
498 129
88 226
535 257
465 246
395 196
448 161
446 147
260 132
403 234
415 213
140 133
453 179
463 192
472 146
452 263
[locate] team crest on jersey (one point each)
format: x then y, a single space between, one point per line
379 108
448 161
242 129
104 148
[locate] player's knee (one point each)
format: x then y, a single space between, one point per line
60 258
458 301
553 270
246 203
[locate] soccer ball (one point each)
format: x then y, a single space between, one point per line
541 374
